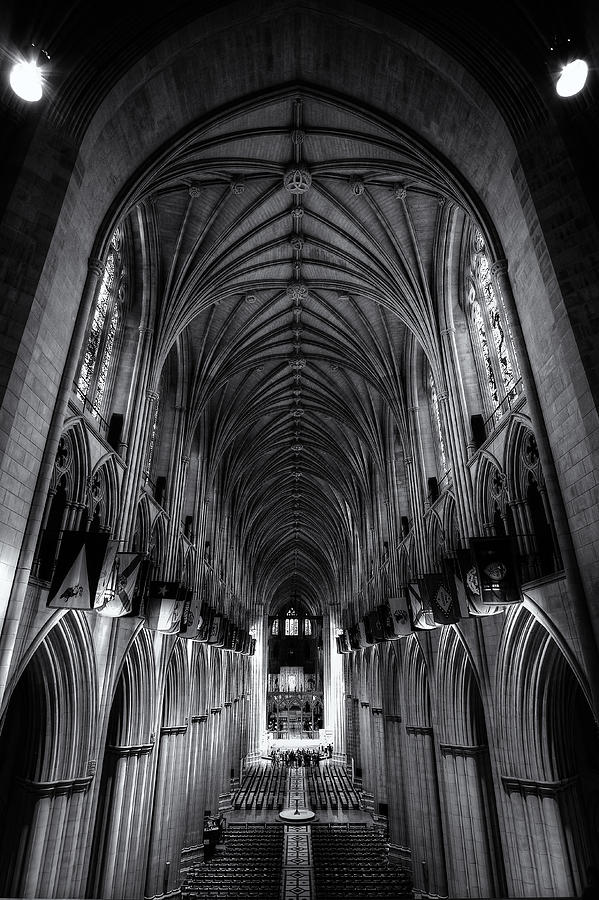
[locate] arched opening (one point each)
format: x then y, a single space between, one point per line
549 760
120 838
45 745
295 695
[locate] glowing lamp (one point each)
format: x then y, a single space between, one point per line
26 80
572 79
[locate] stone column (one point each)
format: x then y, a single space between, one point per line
424 812
168 819
547 850
399 839
118 819
474 866
379 768
194 831
48 836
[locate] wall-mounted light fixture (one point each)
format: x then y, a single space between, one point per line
26 77
570 69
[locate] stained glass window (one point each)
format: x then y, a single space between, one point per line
102 340
291 623
491 336
152 442
437 426
307 627
275 627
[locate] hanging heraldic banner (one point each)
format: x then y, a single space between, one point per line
422 614
191 616
397 617
441 598
486 576
354 637
164 607
343 642
497 570
78 569
206 615
218 630
375 626
117 594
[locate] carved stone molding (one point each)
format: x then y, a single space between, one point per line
133 750
55 788
297 180
173 729
538 788
419 729
95 266
462 750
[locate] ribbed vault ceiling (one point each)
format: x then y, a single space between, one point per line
294 314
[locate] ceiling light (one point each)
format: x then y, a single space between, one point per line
26 80
572 79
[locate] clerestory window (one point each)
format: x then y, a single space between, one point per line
96 373
491 338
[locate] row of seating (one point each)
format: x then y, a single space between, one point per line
262 787
351 861
248 866
330 787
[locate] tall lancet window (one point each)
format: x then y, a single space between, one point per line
97 369
438 428
491 337
151 442
291 623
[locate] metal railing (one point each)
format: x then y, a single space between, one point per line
503 407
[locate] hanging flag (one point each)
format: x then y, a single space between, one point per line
497 570
215 628
354 637
479 602
343 640
455 576
397 616
105 581
422 615
206 615
362 637
440 598
230 636
239 639
375 626
119 596
164 607
191 616
369 635
78 570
